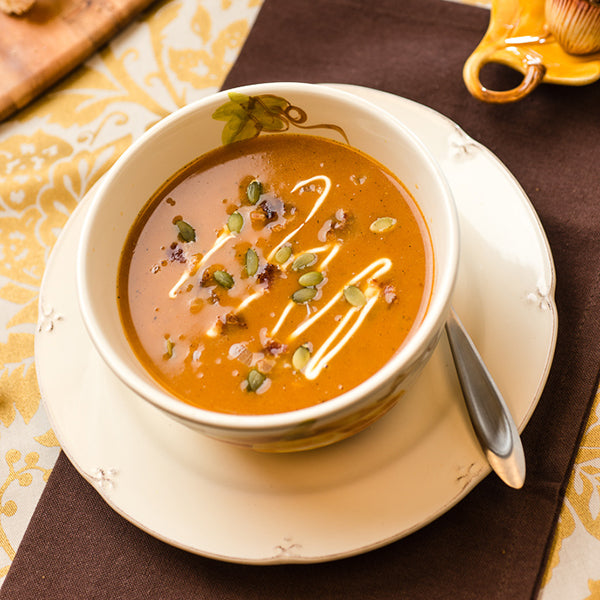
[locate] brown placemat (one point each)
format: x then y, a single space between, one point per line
495 542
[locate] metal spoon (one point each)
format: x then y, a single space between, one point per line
491 419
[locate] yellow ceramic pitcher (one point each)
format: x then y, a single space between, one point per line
518 36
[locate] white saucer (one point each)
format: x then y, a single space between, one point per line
401 473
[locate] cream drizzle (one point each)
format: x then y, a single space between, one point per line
317 250
282 318
383 265
225 236
314 209
251 298
318 362
330 256
221 240
330 348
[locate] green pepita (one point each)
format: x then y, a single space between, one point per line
308 259
254 191
382 224
354 296
251 262
304 295
235 222
255 380
283 254
186 232
300 357
169 348
224 279
311 278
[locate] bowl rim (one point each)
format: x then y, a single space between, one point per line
408 353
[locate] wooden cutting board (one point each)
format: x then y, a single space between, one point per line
46 43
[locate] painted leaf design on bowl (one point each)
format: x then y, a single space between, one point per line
247 116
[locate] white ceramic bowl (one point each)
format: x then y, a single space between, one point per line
189 133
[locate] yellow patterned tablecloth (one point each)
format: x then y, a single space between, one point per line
54 151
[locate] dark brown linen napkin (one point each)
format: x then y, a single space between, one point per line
495 542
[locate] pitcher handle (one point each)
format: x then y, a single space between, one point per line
533 75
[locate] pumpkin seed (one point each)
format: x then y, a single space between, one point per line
169 348
304 295
308 259
354 296
382 224
300 357
235 222
253 191
311 278
283 254
224 279
186 232
255 380
251 262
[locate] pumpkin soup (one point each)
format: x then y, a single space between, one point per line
273 274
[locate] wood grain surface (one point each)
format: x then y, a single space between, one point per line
46 43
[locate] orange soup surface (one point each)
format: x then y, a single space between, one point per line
273 274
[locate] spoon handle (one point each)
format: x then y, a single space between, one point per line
491 419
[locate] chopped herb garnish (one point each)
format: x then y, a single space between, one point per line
310 279
382 224
301 357
308 259
354 296
169 348
224 279
255 380
283 254
251 262
254 191
235 222
186 232
304 295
